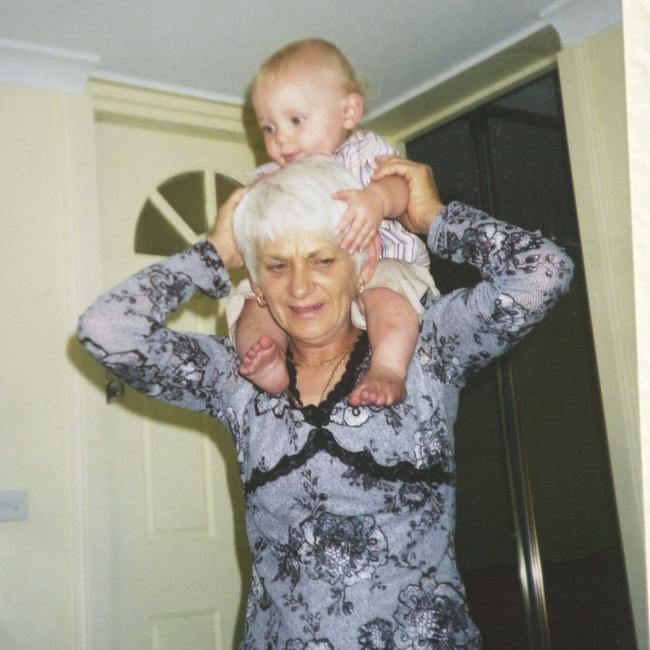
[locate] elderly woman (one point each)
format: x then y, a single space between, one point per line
350 509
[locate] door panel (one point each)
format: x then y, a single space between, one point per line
169 556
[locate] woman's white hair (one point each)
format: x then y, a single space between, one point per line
296 199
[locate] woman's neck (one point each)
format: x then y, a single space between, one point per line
310 354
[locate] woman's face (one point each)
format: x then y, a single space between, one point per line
309 283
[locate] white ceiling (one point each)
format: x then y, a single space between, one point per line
211 48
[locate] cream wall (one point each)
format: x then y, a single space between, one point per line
46 172
49 409
636 26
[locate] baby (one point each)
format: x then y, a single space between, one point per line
308 100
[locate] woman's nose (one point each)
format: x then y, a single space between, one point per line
300 282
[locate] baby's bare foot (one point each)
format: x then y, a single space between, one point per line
264 365
378 387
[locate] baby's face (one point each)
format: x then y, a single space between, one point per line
303 112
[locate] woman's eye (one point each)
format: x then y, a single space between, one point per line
325 262
276 268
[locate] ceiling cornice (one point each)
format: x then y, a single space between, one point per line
44 67
173 89
132 104
561 25
576 20
478 81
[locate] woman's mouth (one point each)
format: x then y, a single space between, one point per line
306 311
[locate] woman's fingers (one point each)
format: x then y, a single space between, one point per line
223 220
424 203
382 159
238 195
228 208
221 236
394 165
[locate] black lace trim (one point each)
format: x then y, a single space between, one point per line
319 415
323 440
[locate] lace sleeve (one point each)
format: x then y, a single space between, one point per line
523 274
125 330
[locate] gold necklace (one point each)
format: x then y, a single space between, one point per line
339 358
342 357
324 362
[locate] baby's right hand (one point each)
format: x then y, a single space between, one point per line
360 223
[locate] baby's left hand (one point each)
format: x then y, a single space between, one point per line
361 220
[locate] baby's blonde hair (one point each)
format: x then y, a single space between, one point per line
316 52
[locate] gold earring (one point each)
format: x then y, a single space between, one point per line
361 285
260 300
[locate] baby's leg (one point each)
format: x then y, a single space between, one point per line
261 344
393 328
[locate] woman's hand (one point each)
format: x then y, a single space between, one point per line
424 204
221 235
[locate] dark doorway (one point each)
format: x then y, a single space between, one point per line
537 538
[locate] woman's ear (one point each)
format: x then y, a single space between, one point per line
369 266
352 110
259 296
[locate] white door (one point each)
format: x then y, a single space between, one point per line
167 551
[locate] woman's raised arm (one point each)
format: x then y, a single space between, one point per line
523 274
125 328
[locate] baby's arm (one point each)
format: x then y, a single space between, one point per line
367 208
394 193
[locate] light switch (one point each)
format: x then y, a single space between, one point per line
13 505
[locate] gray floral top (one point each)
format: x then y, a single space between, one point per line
350 511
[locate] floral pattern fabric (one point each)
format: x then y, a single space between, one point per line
350 510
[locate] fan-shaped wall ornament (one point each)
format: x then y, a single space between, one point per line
180 211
